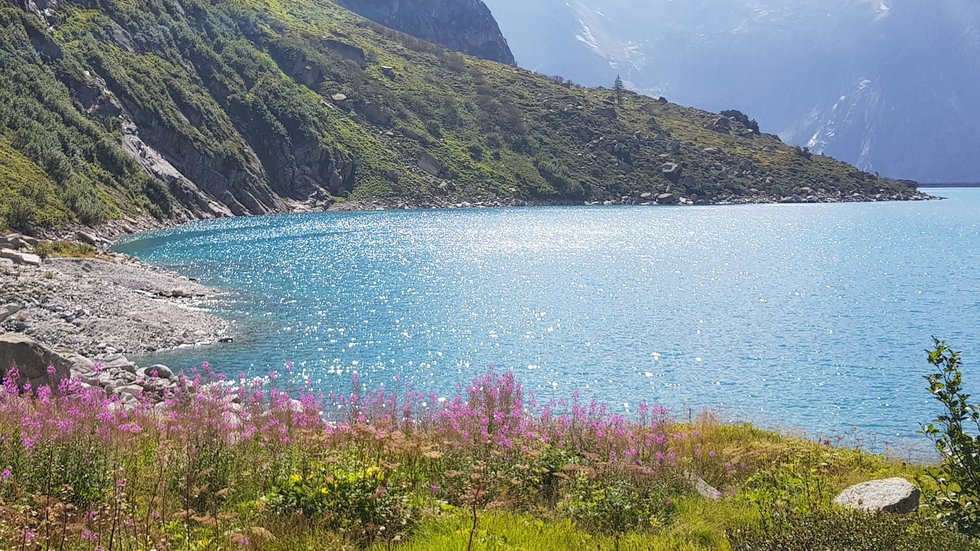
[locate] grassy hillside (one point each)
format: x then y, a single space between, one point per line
197 109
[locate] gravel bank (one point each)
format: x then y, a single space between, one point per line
108 305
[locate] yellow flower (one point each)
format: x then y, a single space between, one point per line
293 479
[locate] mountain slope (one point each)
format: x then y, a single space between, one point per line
881 84
462 25
194 109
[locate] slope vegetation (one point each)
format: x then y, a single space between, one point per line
195 109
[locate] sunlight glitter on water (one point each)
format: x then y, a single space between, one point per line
805 316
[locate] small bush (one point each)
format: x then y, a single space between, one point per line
789 490
854 531
956 433
616 507
65 249
20 215
358 500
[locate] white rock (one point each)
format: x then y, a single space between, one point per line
132 390
26 259
892 495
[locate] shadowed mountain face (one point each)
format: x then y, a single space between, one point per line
885 85
463 25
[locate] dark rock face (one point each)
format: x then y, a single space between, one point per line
32 361
463 25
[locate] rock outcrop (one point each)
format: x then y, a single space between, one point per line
463 25
22 258
35 363
892 495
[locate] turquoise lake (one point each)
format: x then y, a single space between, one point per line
803 317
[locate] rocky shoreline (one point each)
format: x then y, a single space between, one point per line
91 312
114 229
806 196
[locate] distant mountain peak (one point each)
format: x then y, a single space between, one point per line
463 25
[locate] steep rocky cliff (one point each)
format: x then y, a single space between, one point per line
195 109
462 25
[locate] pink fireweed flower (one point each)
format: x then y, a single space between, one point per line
10 381
6 474
130 428
44 395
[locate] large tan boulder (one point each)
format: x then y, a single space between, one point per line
31 359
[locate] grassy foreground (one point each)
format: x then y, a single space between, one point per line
241 465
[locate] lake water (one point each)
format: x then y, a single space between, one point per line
808 317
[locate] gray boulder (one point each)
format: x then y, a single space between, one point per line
8 310
31 359
892 495
159 370
120 363
721 124
430 164
705 490
17 241
18 257
91 239
376 114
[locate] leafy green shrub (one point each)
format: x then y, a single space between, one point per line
66 249
616 506
792 489
20 214
357 500
956 433
854 531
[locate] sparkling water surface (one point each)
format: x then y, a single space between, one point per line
806 317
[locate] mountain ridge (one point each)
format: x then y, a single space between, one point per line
466 26
181 111
787 64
